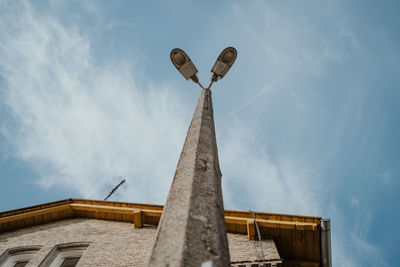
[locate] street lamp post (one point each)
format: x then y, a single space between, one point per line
192 228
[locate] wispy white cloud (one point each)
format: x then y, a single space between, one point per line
80 124
287 48
255 180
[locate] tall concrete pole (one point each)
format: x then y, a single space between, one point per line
192 228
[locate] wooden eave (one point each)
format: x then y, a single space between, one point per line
296 237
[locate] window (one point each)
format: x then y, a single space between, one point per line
65 255
70 262
18 257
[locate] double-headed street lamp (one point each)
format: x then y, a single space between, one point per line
182 238
186 67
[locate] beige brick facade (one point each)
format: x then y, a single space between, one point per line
114 243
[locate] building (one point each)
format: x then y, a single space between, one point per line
109 233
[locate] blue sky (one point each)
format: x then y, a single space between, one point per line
307 119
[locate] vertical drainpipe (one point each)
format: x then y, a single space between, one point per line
326 243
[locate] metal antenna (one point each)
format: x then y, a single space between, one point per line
114 189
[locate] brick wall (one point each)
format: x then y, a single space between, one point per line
116 243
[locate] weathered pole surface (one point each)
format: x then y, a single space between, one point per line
192 228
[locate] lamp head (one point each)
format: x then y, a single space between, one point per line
224 62
184 65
